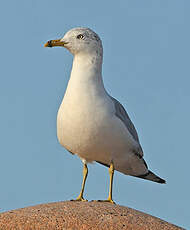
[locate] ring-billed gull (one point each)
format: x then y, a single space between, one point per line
91 123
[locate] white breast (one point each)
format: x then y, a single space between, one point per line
81 117
87 125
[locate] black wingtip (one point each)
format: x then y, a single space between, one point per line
161 181
151 176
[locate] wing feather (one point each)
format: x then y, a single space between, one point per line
124 117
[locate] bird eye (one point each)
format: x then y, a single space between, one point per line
80 36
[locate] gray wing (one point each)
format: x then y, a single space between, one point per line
124 117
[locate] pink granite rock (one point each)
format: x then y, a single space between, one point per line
70 215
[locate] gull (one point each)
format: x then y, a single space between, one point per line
92 124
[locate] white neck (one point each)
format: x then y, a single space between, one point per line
86 77
87 68
89 63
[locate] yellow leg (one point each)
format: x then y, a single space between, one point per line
111 172
85 173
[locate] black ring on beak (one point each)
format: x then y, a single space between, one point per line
50 43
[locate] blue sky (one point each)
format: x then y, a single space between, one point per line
146 67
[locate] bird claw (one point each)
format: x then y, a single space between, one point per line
108 201
80 199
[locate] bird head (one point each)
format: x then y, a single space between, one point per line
79 40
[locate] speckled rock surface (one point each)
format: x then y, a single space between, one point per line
72 215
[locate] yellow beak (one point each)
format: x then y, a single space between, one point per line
57 42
